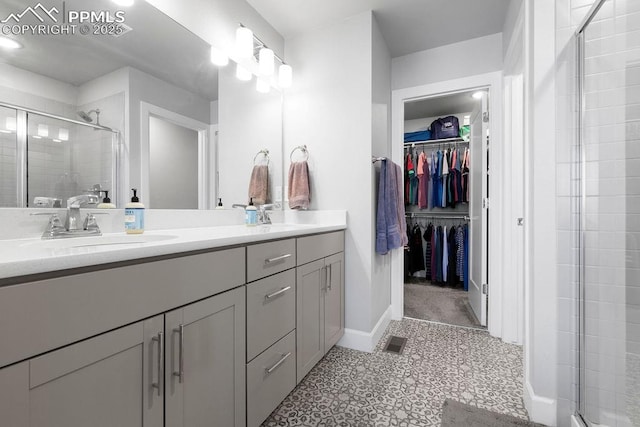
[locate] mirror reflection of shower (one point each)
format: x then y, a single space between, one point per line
86 116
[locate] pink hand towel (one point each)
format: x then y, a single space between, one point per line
259 184
299 186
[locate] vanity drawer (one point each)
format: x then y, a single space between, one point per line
270 258
271 311
270 378
311 248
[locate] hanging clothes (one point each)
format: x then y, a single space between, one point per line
428 248
460 252
415 250
422 180
466 258
445 255
452 277
465 176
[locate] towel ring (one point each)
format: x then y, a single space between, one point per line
302 148
265 153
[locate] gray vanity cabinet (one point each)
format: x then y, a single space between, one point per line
108 380
334 301
205 362
319 297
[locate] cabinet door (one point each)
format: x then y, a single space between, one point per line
102 381
334 301
311 281
205 364
14 395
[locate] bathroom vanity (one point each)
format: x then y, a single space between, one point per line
215 326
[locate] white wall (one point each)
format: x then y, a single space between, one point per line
18 80
541 385
173 153
380 140
146 88
467 58
249 122
329 109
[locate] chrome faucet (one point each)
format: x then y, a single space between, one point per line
74 220
74 226
263 215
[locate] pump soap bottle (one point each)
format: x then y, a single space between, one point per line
134 215
251 214
219 204
106 202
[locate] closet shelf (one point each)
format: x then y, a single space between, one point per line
436 142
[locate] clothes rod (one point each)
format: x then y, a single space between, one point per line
436 216
378 159
436 142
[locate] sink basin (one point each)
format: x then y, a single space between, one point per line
106 240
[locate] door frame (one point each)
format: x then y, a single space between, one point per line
204 150
492 81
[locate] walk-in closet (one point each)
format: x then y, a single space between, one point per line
445 193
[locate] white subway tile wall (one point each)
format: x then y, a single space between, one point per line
611 138
8 190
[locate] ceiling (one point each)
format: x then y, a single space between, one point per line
440 106
407 25
157 45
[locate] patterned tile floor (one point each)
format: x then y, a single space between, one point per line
352 388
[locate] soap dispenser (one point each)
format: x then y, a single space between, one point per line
219 204
251 214
134 215
106 202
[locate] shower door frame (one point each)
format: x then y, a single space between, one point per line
582 158
21 149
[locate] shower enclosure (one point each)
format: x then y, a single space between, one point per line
45 158
609 261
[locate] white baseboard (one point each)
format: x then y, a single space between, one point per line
366 341
541 409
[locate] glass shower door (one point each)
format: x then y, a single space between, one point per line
609 383
8 158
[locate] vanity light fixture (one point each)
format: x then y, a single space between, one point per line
244 42
36 137
219 57
10 124
63 134
243 74
285 76
56 140
124 3
43 130
266 61
8 43
262 85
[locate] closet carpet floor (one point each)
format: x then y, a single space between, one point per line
352 388
439 304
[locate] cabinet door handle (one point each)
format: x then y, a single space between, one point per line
180 373
278 363
330 276
276 293
276 259
160 340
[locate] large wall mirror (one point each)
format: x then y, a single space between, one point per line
138 104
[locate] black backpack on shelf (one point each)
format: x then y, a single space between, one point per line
445 127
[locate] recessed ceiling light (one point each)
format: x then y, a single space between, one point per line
8 43
478 94
125 3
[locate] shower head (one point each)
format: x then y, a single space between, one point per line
86 116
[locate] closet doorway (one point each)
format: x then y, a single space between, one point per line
445 155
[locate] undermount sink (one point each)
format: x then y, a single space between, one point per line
105 240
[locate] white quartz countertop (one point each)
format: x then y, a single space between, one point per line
22 257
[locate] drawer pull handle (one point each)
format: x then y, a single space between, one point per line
276 259
160 339
276 293
278 363
180 373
